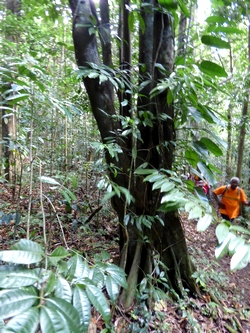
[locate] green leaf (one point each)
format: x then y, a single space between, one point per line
212 69
168 4
211 146
82 304
240 229
63 289
131 20
118 275
28 245
141 171
17 276
192 157
26 322
49 180
222 249
58 254
221 232
204 222
13 99
51 284
112 288
215 42
99 301
15 301
228 30
208 175
78 268
195 213
235 242
183 8
53 321
216 19
66 311
241 258
24 252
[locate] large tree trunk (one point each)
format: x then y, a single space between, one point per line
154 145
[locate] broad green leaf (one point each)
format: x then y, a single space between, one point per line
215 42
28 245
102 78
195 213
99 301
63 289
222 249
142 22
189 205
25 322
77 267
240 229
112 288
17 276
53 321
211 146
235 242
159 183
51 284
118 275
20 257
173 197
131 20
153 178
49 180
13 99
183 8
96 275
68 312
82 304
221 232
228 30
208 175
141 171
212 69
167 186
216 19
204 222
200 148
93 75
192 157
58 254
168 4
241 258
15 301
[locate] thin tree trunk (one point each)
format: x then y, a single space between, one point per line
244 120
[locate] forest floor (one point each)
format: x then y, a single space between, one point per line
223 307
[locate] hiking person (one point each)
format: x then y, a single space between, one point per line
231 198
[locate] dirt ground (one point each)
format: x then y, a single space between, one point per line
228 293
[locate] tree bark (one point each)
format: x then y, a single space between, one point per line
154 145
9 120
244 119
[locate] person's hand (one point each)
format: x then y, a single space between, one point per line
221 205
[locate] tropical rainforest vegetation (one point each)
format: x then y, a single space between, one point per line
113 104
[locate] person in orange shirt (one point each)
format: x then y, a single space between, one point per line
231 197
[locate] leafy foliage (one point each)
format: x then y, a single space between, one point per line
59 298
233 240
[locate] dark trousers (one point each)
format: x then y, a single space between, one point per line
225 217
